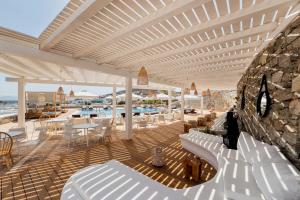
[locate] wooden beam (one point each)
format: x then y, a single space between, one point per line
192 58
27 68
32 52
64 82
223 21
17 69
46 68
173 9
233 36
201 68
83 13
7 70
217 61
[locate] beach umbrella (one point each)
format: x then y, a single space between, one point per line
162 96
134 97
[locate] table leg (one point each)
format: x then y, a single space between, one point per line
86 136
55 126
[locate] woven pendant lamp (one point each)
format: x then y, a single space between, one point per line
193 86
142 77
71 93
196 93
60 91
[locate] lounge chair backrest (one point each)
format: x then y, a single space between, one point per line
6 143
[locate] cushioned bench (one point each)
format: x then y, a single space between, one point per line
255 171
218 125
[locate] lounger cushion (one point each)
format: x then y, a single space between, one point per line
279 181
247 146
200 135
198 139
268 153
232 154
239 182
113 181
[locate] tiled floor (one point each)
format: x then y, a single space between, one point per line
44 174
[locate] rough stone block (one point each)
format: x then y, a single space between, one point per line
283 95
294 107
296 84
276 77
284 61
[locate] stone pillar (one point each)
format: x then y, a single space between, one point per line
182 104
21 103
169 100
128 108
114 104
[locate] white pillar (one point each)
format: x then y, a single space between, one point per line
114 104
169 100
128 108
182 104
201 105
21 103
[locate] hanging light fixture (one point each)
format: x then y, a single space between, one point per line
196 93
60 90
71 93
193 86
142 77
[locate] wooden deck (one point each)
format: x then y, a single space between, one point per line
44 176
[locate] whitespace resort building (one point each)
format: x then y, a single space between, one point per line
210 107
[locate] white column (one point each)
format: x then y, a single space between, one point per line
182 104
21 103
201 105
169 100
114 104
128 108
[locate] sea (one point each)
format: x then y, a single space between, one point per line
8 108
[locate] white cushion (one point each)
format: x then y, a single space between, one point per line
213 147
247 146
232 154
239 182
268 153
278 181
113 181
200 135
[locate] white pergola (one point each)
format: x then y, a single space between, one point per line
104 43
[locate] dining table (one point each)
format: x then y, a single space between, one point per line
55 122
85 127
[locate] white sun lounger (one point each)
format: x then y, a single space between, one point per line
115 181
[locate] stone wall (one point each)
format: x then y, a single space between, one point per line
280 61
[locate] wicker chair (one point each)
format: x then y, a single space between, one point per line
6 143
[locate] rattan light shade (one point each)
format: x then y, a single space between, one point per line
193 86
60 91
72 94
143 77
196 93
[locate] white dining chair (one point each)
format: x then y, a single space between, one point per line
71 135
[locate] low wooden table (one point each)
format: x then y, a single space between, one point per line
192 168
186 127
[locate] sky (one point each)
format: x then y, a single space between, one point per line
32 17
